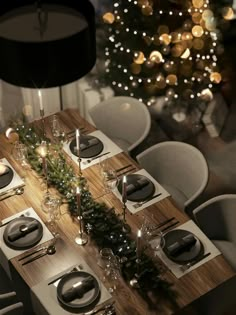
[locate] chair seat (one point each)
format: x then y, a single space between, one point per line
123 144
228 250
178 196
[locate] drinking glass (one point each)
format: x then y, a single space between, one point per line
111 265
20 154
55 126
109 176
51 206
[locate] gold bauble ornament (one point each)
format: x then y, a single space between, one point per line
156 56
186 54
135 68
206 95
175 37
196 17
228 13
197 3
147 40
198 43
108 18
147 10
160 81
139 57
171 79
177 50
197 31
215 77
187 36
163 29
207 14
165 50
165 39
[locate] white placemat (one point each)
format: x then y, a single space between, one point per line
158 189
7 253
109 146
208 247
44 296
16 180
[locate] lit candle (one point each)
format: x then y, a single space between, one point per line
124 189
40 100
78 199
138 249
77 138
42 151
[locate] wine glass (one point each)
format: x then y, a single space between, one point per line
51 206
20 154
111 265
109 176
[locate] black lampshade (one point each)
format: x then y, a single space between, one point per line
46 43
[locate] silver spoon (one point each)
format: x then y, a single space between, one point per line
50 250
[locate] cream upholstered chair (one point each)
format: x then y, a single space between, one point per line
125 120
217 219
179 167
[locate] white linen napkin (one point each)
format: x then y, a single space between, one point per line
16 180
158 189
108 146
44 296
208 247
7 253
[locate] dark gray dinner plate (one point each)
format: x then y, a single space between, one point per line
89 298
27 241
140 194
91 150
186 256
6 179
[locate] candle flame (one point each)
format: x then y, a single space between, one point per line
139 233
39 93
124 179
77 133
77 190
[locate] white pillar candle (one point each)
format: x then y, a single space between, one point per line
77 138
78 199
40 100
138 249
124 189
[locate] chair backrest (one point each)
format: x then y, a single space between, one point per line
177 164
13 309
217 217
125 120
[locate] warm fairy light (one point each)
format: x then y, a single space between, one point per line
156 56
206 95
186 54
171 79
197 3
139 57
42 149
165 39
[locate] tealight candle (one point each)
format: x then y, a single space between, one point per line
78 199
40 100
124 189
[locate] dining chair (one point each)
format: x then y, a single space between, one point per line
123 119
9 305
179 167
217 219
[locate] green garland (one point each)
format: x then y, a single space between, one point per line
102 223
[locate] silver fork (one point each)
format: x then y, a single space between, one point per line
190 264
139 204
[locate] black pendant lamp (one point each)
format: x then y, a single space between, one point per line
46 43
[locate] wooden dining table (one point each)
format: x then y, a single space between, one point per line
127 299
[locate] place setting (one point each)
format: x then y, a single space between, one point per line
184 248
87 150
75 290
10 182
142 190
20 233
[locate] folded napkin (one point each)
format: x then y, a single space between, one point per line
4 171
139 184
18 232
78 289
89 143
181 245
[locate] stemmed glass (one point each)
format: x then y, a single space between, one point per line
109 176
111 265
51 206
20 154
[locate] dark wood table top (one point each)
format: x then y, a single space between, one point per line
189 287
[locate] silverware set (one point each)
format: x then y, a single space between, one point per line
12 192
140 203
194 262
94 158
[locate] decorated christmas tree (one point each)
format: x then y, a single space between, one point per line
164 48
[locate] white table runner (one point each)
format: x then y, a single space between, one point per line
7 253
208 247
16 180
158 189
109 146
